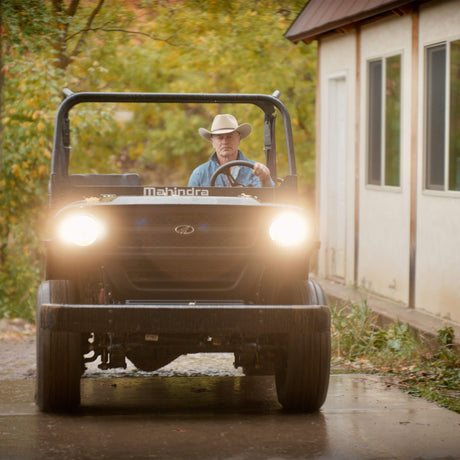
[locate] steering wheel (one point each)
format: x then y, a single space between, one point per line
225 169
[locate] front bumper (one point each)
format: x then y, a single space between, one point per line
185 319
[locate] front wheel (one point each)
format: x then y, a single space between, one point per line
59 354
302 368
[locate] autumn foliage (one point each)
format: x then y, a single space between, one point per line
149 46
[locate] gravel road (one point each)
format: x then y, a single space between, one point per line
17 349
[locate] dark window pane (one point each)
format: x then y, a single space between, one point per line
454 117
436 109
392 120
375 123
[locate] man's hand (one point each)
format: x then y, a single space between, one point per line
263 173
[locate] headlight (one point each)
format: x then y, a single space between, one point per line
81 230
289 229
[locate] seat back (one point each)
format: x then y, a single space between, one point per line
105 180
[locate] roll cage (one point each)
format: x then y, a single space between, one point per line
60 184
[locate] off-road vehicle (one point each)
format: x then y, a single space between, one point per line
147 273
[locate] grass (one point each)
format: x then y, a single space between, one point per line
360 344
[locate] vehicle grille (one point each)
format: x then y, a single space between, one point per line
166 274
192 227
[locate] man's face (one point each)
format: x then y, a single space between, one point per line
226 146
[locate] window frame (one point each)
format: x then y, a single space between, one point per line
427 187
381 183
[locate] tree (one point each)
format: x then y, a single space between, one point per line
165 46
204 46
63 18
30 78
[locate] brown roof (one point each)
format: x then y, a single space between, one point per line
319 17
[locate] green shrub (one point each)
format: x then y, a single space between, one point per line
395 349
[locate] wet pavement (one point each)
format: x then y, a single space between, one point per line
223 416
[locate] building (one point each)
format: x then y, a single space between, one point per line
388 147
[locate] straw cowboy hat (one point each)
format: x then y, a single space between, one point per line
224 124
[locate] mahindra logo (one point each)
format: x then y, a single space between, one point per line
184 229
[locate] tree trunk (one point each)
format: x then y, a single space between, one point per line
1 87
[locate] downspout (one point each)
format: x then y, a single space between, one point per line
318 144
413 156
357 152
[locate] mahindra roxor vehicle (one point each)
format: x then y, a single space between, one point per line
146 272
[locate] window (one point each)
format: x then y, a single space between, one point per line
442 134
384 122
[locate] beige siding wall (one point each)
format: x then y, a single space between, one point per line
337 60
438 225
384 211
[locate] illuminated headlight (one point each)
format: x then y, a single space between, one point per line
289 229
81 230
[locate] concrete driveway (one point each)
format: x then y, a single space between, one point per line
224 417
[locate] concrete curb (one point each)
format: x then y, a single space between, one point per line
387 310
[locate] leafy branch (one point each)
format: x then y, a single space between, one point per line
129 32
64 58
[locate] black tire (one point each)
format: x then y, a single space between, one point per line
59 355
302 368
315 293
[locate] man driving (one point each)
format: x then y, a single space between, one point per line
225 137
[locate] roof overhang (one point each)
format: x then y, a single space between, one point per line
323 17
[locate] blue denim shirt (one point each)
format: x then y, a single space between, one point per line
201 176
